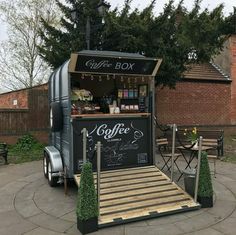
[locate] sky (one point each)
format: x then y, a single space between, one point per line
210 4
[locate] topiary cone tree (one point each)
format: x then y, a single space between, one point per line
87 206
205 189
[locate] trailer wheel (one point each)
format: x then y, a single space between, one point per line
45 165
56 117
52 180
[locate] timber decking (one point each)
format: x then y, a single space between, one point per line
138 193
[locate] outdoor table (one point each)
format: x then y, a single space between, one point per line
193 153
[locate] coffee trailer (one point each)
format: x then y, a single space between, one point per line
127 134
115 103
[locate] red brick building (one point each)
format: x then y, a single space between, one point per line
206 96
202 98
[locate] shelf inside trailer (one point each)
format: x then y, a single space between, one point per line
107 115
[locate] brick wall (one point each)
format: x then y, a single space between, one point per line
194 103
233 77
19 97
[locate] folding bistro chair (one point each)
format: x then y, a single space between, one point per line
165 152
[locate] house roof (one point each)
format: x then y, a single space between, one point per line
206 72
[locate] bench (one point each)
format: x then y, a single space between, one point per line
4 151
211 138
214 139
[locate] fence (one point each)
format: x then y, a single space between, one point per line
16 122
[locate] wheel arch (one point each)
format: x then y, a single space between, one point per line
55 158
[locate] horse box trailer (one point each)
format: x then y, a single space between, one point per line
112 96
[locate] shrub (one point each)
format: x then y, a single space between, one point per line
205 188
87 206
26 142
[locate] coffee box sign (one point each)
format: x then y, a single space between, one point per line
112 65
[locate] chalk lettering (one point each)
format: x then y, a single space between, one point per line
107 133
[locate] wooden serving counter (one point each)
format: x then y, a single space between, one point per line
108 115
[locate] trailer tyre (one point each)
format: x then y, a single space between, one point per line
52 180
56 117
45 165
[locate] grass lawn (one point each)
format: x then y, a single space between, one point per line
16 156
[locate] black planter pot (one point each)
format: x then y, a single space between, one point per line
205 202
87 226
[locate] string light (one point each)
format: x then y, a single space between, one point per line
142 79
92 77
100 78
122 78
82 76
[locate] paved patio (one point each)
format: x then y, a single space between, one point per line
29 206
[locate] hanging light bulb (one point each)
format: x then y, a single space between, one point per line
100 78
82 76
108 78
143 79
122 78
114 76
92 77
135 80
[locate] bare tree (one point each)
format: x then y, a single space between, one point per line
20 63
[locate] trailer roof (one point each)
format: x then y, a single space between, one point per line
111 54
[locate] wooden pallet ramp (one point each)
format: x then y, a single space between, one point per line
138 193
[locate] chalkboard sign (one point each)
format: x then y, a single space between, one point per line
125 142
114 65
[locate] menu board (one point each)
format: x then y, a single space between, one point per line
125 142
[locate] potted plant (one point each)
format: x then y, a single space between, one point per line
87 206
205 189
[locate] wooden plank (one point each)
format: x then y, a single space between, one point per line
136 191
139 198
132 181
145 211
128 177
134 187
139 204
132 169
124 173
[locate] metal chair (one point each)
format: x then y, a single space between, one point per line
165 152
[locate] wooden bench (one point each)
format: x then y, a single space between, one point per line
213 138
4 151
